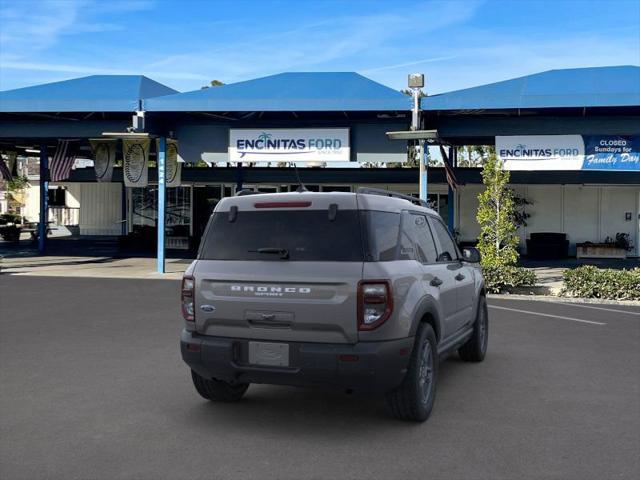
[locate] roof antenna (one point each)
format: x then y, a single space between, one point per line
301 188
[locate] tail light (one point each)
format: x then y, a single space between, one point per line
375 303
188 309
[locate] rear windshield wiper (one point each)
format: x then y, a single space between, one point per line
283 252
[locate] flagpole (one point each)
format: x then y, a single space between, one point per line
44 199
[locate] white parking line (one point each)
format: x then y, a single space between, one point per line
547 315
628 312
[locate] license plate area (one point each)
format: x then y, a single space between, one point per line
269 354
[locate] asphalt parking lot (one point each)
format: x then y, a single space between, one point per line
92 387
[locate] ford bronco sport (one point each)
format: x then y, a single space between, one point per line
363 291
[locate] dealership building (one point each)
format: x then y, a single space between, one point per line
571 139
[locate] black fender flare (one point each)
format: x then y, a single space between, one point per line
427 306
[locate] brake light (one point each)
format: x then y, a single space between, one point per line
188 309
375 303
282 204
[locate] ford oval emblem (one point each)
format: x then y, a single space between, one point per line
208 308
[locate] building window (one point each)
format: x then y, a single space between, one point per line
144 213
57 197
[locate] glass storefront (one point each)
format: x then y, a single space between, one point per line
144 214
189 209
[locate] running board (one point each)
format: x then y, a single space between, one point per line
456 341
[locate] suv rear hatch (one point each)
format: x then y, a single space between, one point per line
281 267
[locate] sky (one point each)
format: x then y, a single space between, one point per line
185 44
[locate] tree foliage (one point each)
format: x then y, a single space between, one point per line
213 83
497 241
474 155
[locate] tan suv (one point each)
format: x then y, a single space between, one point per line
362 291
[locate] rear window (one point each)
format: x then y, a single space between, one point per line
306 235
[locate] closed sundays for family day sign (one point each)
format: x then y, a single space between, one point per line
289 145
569 152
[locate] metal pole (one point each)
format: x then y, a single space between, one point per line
44 199
415 93
162 148
422 152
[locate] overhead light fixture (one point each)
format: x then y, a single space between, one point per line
31 150
415 135
126 134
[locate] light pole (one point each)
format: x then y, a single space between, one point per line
416 83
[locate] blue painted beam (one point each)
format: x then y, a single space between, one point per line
44 199
162 150
453 158
424 162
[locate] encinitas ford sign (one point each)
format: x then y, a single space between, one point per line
569 152
541 152
289 145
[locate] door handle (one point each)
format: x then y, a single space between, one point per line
436 282
459 277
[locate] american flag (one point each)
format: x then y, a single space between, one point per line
62 161
4 170
450 173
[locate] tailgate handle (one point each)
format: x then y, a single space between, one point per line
271 323
269 319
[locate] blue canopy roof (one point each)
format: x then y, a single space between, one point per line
297 92
576 87
96 93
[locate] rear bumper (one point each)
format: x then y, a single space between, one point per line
380 366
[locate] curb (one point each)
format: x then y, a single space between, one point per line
555 299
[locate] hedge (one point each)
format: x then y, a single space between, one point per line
499 278
591 282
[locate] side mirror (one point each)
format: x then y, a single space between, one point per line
471 255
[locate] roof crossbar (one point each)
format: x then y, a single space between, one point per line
390 193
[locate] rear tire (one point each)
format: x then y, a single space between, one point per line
413 399
217 390
476 347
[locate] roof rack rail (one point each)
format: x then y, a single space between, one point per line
245 191
390 193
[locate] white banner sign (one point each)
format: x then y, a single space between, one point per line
104 157
289 145
541 152
136 162
173 167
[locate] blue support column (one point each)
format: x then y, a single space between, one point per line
123 210
424 162
162 149
44 199
453 158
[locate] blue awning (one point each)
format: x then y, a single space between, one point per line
288 92
577 87
96 93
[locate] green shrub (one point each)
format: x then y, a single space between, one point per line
501 277
592 282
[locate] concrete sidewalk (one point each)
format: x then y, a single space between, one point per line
549 275
95 267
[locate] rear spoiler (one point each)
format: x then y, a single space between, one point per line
390 193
